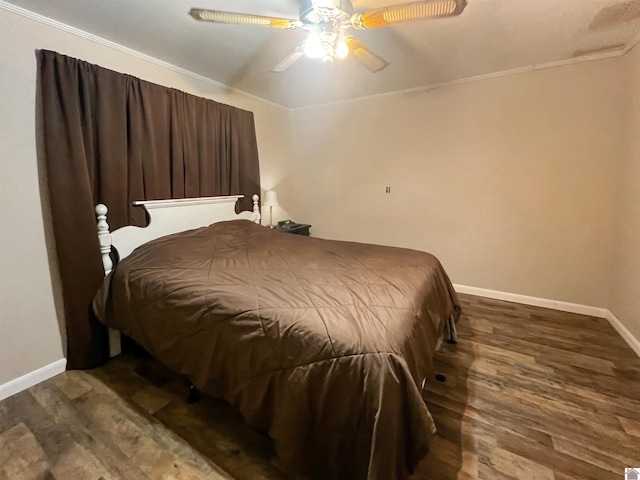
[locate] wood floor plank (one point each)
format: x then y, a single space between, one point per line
65 458
21 455
7 417
81 428
631 426
511 464
488 472
580 450
72 384
557 461
147 444
218 432
79 462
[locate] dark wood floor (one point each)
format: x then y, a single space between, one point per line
529 394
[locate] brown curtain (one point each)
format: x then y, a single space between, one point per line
112 138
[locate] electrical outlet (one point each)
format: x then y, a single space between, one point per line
388 189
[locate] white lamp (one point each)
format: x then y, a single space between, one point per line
271 200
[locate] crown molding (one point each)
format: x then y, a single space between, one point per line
479 78
129 51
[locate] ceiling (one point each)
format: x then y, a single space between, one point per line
489 36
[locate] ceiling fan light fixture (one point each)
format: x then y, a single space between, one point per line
325 44
342 49
313 47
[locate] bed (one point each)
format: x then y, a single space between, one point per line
324 345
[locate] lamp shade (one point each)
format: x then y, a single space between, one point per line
270 199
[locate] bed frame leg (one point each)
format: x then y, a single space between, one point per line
194 394
452 331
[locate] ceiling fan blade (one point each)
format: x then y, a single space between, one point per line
407 12
218 16
286 63
367 57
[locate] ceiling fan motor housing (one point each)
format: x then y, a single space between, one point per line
313 12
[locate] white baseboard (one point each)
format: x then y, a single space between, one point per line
624 332
32 378
534 301
633 342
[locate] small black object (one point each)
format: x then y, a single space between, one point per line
194 394
440 377
296 228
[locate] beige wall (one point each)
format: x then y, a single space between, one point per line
625 303
511 181
29 333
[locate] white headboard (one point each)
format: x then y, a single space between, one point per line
167 217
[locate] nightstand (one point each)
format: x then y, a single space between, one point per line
299 229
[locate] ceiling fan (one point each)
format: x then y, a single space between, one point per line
327 21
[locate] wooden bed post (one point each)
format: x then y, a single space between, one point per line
256 208
104 237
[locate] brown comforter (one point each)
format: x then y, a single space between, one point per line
322 344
